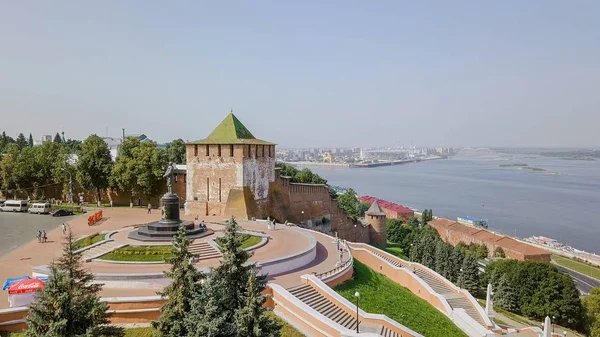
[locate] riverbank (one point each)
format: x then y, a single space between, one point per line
521 203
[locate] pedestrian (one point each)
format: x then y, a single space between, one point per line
337 243
39 236
44 236
64 228
149 208
341 255
274 223
111 204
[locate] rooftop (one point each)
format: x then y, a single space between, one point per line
231 131
387 205
374 209
486 236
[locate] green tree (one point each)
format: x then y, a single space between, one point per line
73 145
57 138
454 264
595 327
149 164
176 151
251 319
505 295
185 283
8 167
468 277
123 175
481 252
414 222
94 165
21 141
542 290
30 142
28 170
591 303
428 257
499 252
69 305
215 310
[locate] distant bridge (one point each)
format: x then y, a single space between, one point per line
472 149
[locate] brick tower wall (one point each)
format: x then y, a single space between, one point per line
377 233
229 180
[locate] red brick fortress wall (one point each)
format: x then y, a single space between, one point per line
312 205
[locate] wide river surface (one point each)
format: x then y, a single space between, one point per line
562 202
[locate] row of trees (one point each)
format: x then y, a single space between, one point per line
138 169
423 245
426 216
304 176
23 142
536 290
228 302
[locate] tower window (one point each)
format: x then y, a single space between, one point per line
207 150
196 150
219 150
231 150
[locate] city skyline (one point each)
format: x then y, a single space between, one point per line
506 74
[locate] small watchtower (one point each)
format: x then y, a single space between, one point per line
229 172
375 217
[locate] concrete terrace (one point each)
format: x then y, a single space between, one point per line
282 242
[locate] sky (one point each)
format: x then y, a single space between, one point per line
306 73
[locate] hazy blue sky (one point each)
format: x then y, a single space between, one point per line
306 73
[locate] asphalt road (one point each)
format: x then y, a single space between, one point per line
584 283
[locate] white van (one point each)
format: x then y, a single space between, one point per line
40 208
15 206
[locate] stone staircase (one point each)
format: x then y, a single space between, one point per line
394 261
458 301
320 303
454 300
204 251
385 332
436 284
100 250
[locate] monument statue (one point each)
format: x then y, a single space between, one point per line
169 174
166 228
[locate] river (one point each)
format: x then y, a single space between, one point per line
561 202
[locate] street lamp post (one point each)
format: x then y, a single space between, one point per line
553 319
357 295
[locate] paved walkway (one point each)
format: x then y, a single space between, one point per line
282 242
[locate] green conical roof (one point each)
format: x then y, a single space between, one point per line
231 131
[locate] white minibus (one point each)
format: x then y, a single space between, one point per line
40 208
15 206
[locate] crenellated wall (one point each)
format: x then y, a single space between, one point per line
312 206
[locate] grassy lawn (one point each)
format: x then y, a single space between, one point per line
581 267
247 240
286 330
89 240
380 295
394 249
140 253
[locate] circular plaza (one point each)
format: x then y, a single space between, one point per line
284 252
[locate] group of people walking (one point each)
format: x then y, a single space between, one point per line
41 236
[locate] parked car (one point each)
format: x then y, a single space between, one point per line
62 212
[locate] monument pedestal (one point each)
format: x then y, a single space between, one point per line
166 229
